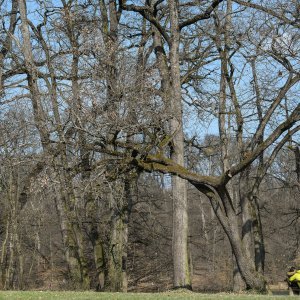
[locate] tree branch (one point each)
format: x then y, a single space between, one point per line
268 11
203 16
147 13
294 117
167 166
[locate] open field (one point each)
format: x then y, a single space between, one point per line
44 295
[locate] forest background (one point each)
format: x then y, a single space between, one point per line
149 145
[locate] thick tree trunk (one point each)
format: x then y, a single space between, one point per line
72 235
182 278
247 215
116 276
99 258
225 81
94 238
253 279
180 235
115 279
238 283
224 211
251 224
171 88
116 256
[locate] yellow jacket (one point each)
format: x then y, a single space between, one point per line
295 277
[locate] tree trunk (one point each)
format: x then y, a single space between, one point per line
99 258
182 278
221 203
251 224
116 277
238 283
116 266
71 232
247 215
116 251
259 245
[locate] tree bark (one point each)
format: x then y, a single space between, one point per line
182 277
221 203
122 197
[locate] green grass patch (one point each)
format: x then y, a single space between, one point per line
45 295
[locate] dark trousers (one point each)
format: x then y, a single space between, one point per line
294 287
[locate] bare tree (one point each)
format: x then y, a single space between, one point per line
112 90
216 188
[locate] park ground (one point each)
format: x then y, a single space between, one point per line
45 295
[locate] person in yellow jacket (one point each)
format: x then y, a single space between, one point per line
293 277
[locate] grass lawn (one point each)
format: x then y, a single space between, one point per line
44 295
